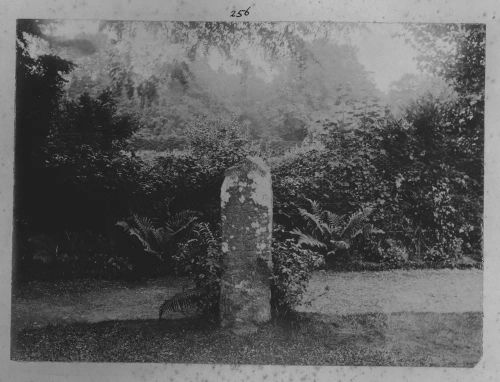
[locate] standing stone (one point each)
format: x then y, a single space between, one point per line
246 201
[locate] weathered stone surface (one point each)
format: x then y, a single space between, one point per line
246 201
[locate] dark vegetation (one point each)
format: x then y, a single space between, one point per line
88 205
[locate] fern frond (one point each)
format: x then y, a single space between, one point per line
134 232
333 219
180 219
315 219
315 207
185 226
144 225
143 230
142 222
307 240
356 222
367 230
182 301
205 233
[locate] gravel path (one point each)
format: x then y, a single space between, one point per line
439 291
37 304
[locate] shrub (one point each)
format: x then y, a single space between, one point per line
395 254
70 255
221 143
419 173
86 177
339 173
155 143
191 183
200 258
435 255
193 179
292 267
447 252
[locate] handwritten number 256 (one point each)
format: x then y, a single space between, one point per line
241 12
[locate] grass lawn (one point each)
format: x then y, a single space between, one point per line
395 339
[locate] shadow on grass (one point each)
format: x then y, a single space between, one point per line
398 339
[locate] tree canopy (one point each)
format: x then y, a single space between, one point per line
278 78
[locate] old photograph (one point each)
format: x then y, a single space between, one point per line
248 193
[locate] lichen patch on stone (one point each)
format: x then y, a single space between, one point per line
229 182
261 246
261 192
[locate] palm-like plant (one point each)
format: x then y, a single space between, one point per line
329 232
158 241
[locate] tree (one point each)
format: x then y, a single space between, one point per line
440 145
456 52
69 160
277 78
39 89
92 178
411 87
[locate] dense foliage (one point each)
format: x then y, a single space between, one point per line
270 75
72 174
292 269
357 183
330 234
406 169
200 258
